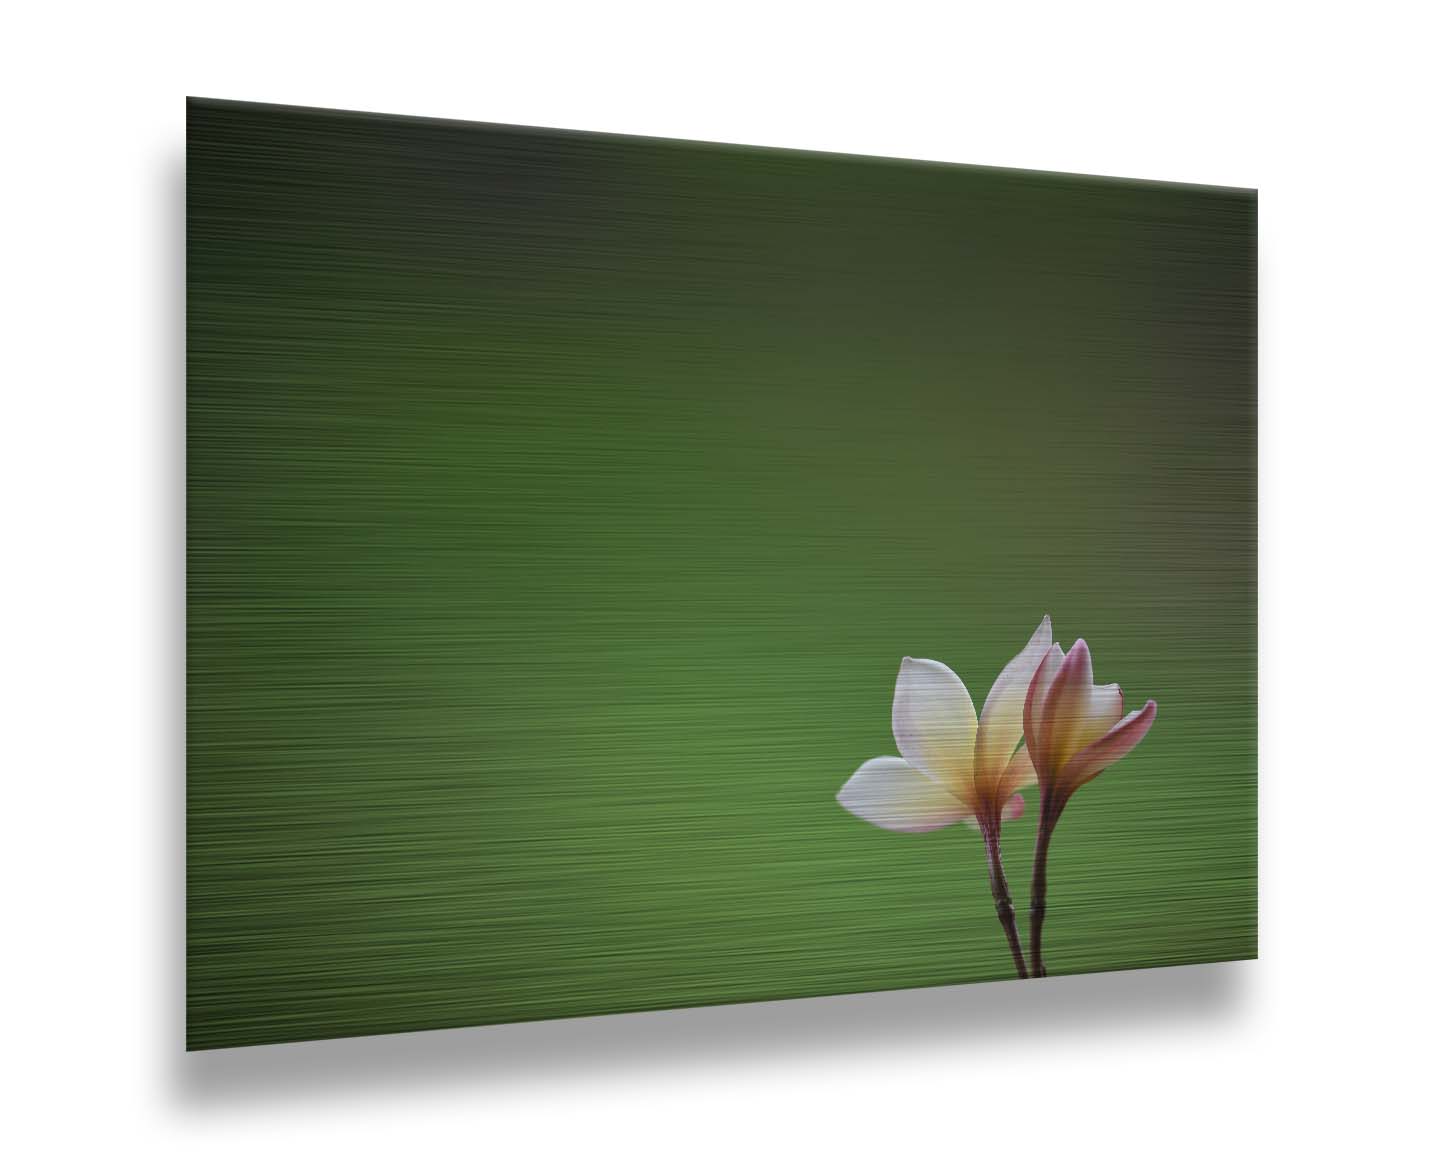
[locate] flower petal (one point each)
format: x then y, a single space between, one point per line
1094 758
1068 702
1019 773
891 794
934 724
1037 703
1014 808
1002 720
1102 711
1079 711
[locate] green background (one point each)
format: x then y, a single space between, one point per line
560 507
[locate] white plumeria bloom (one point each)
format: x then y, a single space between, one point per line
952 767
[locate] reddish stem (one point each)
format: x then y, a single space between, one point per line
1050 809
1004 906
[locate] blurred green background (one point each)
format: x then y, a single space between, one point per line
560 507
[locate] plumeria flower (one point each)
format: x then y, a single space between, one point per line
952 766
1074 730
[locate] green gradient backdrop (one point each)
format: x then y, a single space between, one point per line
561 506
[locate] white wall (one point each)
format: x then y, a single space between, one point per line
1330 110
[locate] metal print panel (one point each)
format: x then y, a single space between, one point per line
630 574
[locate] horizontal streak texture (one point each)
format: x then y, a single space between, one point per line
561 507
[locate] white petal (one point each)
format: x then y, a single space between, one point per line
1002 721
934 724
891 794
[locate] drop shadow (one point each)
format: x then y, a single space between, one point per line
169 860
988 1017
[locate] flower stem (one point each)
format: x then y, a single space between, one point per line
1004 906
1048 820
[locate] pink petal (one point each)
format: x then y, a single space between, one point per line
1093 759
1014 808
1037 701
1080 712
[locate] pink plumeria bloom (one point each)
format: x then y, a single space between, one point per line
1074 728
952 766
